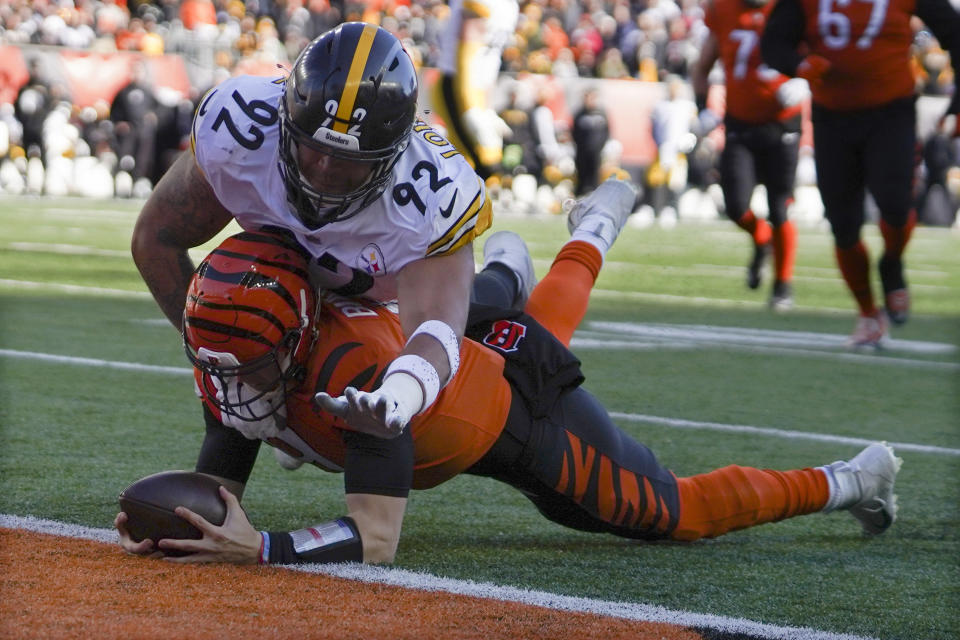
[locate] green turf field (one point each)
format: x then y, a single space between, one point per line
689 360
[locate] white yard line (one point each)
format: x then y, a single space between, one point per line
67 249
659 420
588 342
73 288
716 335
95 362
427 582
679 423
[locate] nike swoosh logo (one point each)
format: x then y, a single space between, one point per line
445 212
203 106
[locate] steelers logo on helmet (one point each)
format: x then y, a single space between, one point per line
346 115
249 317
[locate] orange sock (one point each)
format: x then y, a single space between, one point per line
854 265
736 497
570 279
784 251
895 239
758 229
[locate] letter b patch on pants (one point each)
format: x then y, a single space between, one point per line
505 335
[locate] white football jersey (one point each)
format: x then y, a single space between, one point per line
434 204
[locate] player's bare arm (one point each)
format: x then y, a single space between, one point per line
435 289
379 519
182 212
434 302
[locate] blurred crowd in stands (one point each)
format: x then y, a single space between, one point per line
134 137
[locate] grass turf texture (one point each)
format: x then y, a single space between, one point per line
72 436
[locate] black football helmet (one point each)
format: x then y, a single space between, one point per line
352 94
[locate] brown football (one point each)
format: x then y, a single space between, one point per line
150 501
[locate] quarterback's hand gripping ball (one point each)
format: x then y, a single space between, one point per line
149 504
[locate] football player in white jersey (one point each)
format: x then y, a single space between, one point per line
336 155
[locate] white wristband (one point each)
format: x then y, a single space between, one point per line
447 337
419 370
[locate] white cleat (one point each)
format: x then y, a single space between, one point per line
286 460
864 487
869 333
605 211
509 249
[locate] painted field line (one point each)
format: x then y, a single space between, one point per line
646 337
196 253
427 582
74 288
832 273
680 423
68 249
607 343
671 422
724 271
610 294
95 362
770 337
619 344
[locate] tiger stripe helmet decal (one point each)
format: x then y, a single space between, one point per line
250 309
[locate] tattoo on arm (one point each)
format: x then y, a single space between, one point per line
183 213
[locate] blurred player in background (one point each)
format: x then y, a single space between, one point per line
673 121
516 413
856 57
474 37
762 122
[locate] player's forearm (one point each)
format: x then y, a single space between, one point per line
379 520
435 289
182 212
166 271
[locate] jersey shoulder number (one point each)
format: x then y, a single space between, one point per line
240 111
438 183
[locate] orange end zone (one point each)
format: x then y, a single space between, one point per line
56 587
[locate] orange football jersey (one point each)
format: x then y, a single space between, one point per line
868 46
751 85
355 344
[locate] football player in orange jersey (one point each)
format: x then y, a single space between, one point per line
517 412
762 122
856 57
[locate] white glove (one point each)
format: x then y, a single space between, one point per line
793 92
384 413
259 419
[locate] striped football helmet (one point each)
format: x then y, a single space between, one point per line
249 321
352 96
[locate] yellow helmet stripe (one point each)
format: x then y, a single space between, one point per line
354 76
